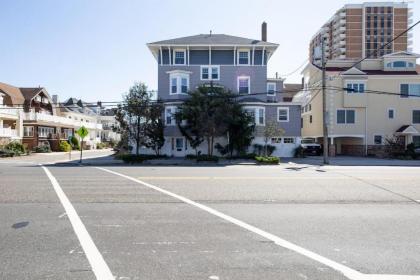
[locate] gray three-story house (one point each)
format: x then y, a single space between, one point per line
236 63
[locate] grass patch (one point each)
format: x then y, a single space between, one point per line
268 160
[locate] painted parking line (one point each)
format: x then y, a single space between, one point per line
96 261
346 271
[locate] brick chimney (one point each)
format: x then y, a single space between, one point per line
264 31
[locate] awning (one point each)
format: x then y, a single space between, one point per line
406 130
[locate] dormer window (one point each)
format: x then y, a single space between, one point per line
271 89
243 57
179 57
399 64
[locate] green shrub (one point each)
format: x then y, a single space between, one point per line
299 152
75 143
64 146
207 158
131 158
42 149
101 145
6 153
267 160
411 151
16 147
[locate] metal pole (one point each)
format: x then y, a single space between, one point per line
324 103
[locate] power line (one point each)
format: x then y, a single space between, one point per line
294 71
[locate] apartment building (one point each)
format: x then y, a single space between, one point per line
379 99
358 30
235 63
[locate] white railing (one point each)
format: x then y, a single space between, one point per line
9 110
32 116
8 132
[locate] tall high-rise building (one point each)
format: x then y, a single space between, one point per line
357 30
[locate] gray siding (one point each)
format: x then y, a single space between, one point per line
199 57
292 127
228 78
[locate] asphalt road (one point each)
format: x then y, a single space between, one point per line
224 222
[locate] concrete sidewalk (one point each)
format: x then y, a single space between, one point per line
352 161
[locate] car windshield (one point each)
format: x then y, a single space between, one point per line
308 141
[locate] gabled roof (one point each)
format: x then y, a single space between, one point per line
353 71
407 129
402 54
14 93
213 39
29 93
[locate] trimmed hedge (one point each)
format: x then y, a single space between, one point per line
16 147
207 158
42 149
130 158
64 146
267 160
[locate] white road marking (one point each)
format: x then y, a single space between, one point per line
62 215
346 271
96 261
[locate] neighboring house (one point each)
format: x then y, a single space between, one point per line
11 102
110 126
290 90
236 63
42 124
82 114
383 100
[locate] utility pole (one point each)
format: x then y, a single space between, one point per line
324 104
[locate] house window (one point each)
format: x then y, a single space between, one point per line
271 88
45 131
310 119
355 87
377 139
243 57
288 140
179 83
399 64
28 131
346 116
243 85
258 115
407 90
391 113
170 115
184 85
179 57
282 114
174 82
416 116
276 140
210 73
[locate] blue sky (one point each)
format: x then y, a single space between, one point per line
95 49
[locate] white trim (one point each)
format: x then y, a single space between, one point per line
234 56
178 76
275 88
262 56
161 55
249 83
179 72
253 55
209 54
274 104
210 72
188 55
170 55
278 114
179 51
238 57
33 130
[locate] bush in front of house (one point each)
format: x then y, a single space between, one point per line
131 158
75 143
267 160
261 149
207 158
16 147
101 146
299 152
64 146
42 149
6 153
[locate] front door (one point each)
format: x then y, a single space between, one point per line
179 147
